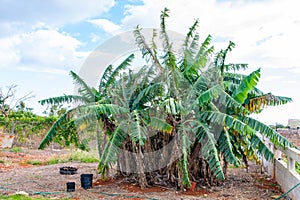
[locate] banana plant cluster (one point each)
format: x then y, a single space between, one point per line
193 97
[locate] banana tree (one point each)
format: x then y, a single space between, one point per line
189 102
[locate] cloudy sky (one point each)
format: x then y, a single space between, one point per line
41 41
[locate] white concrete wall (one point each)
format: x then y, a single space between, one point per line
283 173
287 179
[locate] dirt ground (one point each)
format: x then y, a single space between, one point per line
45 180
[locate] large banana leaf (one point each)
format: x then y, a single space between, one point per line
246 86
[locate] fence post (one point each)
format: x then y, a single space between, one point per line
291 164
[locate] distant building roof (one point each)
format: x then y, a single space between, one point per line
294 123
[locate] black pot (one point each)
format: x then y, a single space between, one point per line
86 180
68 170
70 186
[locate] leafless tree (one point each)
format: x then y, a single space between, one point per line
9 100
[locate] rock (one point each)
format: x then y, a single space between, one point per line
22 193
275 196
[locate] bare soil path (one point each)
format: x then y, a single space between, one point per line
45 180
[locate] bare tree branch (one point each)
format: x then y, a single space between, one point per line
9 101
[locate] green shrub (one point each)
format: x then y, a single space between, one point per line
16 150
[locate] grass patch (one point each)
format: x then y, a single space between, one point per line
54 161
34 162
21 197
2 161
16 150
74 156
83 156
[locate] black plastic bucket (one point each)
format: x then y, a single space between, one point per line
70 186
86 180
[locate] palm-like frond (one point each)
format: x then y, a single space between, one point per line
112 148
63 99
173 106
153 44
83 88
246 125
190 34
146 51
279 100
147 95
115 73
261 147
235 67
221 100
220 57
184 160
164 35
105 77
216 117
107 109
190 46
257 103
210 150
209 95
265 130
205 48
137 130
225 146
234 77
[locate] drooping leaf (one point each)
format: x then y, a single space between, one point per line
112 149
137 129
160 125
210 150
261 147
63 99
184 160
225 146
53 130
147 95
267 131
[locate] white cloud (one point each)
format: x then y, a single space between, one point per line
44 70
52 11
95 37
106 25
276 23
40 49
18 16
295 69
272 78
